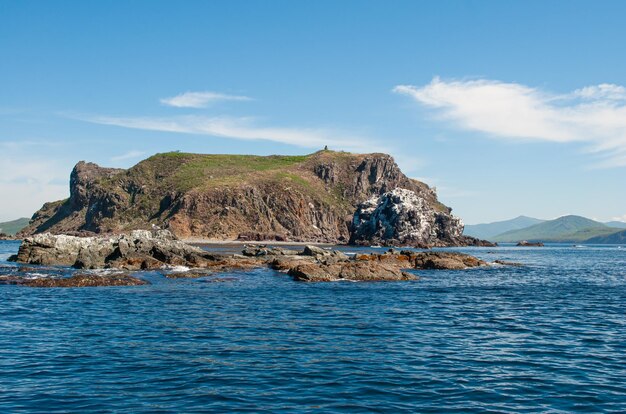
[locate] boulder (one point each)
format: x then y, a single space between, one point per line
525 243
407 259
327 256
353 270
76 280
257 251
446 261
139 250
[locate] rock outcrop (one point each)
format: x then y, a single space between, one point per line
160 250
297 198
138 250
401 217
525 243
4 236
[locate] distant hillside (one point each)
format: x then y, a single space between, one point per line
563 229
615 238
616 224
489 230
12 227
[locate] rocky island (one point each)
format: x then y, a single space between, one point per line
325 197
138 219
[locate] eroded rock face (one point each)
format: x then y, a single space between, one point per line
140 249
307 199
402 217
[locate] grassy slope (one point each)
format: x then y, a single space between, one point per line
618 237
184 172
563 229
12 227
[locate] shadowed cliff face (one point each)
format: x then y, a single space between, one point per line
298 198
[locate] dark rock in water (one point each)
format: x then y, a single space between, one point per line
323 255
446 260
188 274
139 250
381 267
352 270
76 280
87 280
525 243
255 236
507 263
473 241
425 260
257 251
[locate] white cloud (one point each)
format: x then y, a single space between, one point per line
200 99
28 183
130 155
619 218
241 128
595 115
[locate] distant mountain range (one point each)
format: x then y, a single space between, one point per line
573 229
489 230
12 227
616 224
615 238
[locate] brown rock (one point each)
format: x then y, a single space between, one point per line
446 261
77 280
353 270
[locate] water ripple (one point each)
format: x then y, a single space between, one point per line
547 337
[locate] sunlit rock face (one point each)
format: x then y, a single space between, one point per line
402 217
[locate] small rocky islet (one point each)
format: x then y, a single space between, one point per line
326 197
160 250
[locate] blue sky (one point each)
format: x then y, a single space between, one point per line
507 108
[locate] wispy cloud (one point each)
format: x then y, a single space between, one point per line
619 218
130 155
241 128
595 115
200 99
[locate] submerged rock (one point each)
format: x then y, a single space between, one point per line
507 263
525 243
76 280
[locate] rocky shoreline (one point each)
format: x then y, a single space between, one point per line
160 250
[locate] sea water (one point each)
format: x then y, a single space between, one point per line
549 336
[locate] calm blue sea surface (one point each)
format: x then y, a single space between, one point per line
547 337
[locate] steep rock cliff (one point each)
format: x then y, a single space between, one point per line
298 198
402 217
